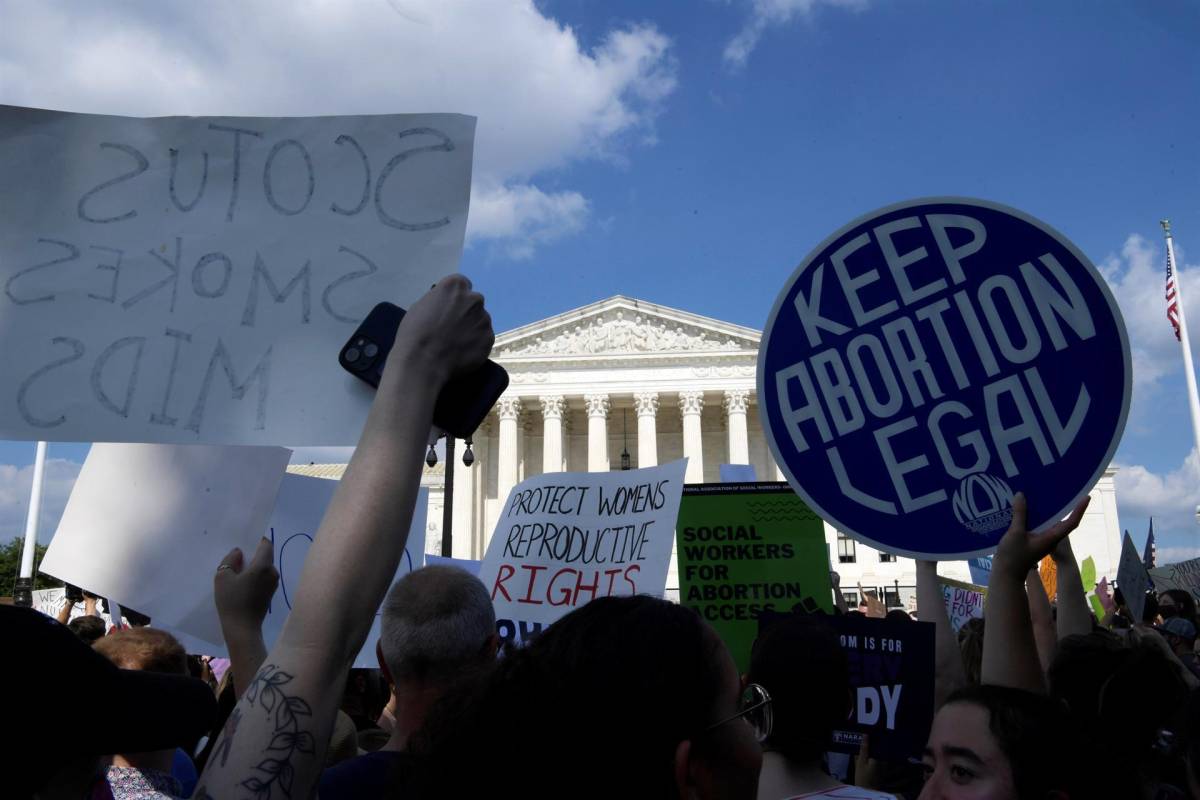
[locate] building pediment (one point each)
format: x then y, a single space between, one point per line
623 326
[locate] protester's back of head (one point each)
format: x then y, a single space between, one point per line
89 628
597 706
802 665
147 649
436 621
1081 667
970 645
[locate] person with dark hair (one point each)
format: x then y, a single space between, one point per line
88 628
999 743
1177 603
802 665
1180 634
631 697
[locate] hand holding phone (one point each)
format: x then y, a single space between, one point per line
464 400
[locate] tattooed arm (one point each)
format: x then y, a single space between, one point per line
275 744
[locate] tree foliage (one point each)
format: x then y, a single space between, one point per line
10 567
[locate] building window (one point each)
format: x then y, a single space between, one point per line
885 558
851 599
891 598
845 549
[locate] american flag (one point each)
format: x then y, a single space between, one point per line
1172 299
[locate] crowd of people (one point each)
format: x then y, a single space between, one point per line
622 697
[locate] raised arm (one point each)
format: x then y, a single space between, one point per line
1009 653
948 674
243 597
1074 614
282 723
1042 619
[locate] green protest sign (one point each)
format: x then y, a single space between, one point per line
746 548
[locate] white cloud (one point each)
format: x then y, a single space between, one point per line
523 216
1171 498
766 13
1137 277
543 100
15 486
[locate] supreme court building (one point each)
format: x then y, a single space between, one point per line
623 375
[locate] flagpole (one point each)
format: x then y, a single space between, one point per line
23 591
1193 395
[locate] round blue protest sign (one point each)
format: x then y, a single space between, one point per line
933 358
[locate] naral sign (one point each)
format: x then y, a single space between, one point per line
933 358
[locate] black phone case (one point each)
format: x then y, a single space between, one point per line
464 400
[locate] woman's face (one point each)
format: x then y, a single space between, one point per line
728 757
963 761
1167 607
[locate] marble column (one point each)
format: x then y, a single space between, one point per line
736 401
508 409
553 407
691 404
646 404
597 412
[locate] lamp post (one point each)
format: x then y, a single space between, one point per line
468 458
625 461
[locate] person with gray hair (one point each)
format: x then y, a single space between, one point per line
437 626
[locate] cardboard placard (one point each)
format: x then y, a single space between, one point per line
932 358
1132 579
748 548
564 538
190 279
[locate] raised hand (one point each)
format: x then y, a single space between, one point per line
243 592
1020 550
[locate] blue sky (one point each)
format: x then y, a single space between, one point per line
691 153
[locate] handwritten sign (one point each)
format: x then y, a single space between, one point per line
564 538
190 279
930 359
1185 575
745 549
146 525
964 601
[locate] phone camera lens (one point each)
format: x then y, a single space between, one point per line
352 354
371 350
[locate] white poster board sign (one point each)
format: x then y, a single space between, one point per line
297 515
564 538
964 601
191 279
146 525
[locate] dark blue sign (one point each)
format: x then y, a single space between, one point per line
933 358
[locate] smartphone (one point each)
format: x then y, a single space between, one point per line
73 593
465 400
